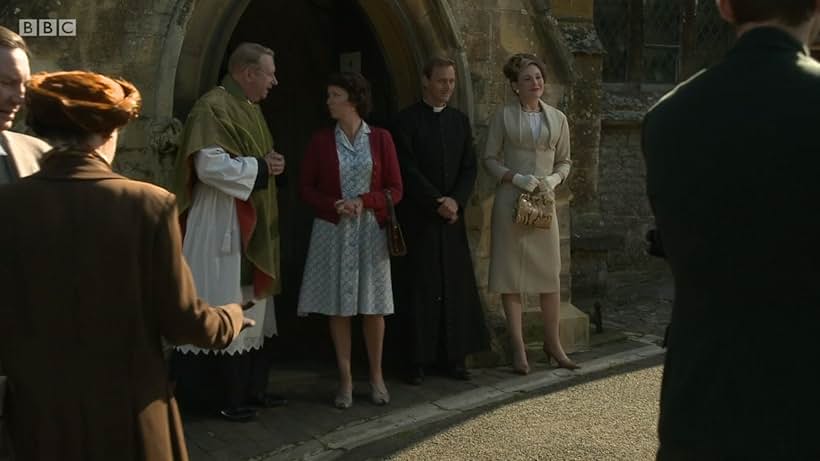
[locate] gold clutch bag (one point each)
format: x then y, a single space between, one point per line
535 208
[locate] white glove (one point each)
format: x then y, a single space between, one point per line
527 182
553 181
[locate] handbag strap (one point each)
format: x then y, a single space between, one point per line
390 208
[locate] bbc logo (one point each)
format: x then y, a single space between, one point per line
48 28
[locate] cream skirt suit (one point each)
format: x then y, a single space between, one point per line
524 259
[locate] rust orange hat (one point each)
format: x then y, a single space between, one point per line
81 101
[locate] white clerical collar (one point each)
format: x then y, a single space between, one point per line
435 109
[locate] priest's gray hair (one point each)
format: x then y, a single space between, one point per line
247 54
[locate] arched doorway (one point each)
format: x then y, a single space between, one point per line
311 39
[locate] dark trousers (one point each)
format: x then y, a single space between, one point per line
210 382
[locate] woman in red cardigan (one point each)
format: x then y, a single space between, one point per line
345 173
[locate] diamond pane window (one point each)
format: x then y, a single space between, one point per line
611 21
659 41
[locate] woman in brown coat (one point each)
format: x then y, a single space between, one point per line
92 278
527 148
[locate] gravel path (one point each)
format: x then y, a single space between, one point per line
613 418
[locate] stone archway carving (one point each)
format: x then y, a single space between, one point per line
408 32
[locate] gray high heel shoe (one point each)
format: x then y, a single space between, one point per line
343 400
379 396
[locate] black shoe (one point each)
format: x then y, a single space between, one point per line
238 414
458 370
415 375
267 400
460 373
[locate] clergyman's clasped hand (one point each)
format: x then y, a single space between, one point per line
448 209
276 163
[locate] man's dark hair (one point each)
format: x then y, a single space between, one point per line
437 61
790 12
357 88
10 39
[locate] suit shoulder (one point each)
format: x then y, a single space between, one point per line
409 113
691 84
406 111
153 198
458 114
810 66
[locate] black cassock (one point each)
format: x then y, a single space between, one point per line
437 302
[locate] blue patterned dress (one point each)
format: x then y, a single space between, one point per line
348 267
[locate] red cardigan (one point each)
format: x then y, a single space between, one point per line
319 183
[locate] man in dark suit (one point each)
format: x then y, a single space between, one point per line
733 157
19 154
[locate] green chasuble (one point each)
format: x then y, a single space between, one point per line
224 117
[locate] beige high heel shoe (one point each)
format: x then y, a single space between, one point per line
520 365
379 396
343 400
562 363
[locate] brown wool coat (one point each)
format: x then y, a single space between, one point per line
92 277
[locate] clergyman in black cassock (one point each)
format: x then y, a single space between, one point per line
437 302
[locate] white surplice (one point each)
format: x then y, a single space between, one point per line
213 244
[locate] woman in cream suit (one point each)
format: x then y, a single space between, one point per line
527 148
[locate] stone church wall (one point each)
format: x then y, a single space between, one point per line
141 41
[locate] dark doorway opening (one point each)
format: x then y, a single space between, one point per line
310 39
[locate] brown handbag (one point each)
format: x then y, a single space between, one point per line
395 238
535 208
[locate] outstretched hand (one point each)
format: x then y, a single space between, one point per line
247 322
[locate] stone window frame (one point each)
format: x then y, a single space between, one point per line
629 31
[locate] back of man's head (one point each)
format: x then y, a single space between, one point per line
789 12
10 40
